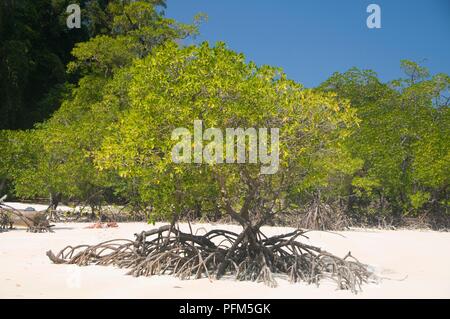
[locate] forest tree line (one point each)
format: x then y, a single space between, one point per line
82 113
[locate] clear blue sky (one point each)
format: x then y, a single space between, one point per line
311 39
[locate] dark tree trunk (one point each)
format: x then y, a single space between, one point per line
2 185
55 199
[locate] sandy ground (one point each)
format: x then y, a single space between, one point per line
423 257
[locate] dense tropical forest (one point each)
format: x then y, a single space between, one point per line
86 117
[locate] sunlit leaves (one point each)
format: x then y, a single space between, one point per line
173 87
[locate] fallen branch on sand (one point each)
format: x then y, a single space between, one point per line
168 251
36 222
5 221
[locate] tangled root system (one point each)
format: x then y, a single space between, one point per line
249 255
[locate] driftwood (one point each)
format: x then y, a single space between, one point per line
5 221
34 221
245 256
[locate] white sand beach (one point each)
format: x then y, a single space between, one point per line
420 258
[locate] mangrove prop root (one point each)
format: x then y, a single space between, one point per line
35 224
246 256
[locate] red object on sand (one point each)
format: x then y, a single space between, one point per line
103 225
